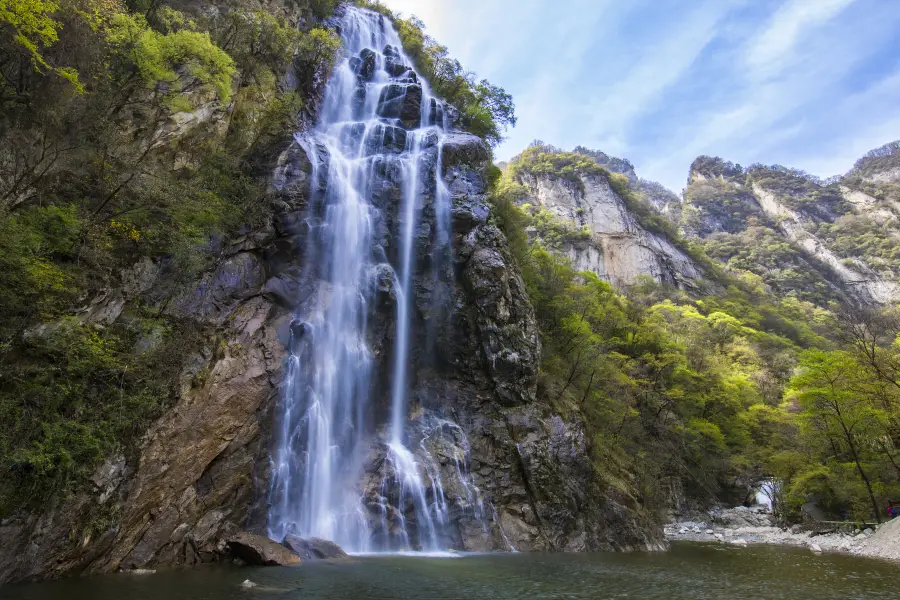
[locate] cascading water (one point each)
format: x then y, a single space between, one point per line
378 124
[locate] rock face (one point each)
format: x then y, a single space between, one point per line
256 550
515 475
619 250
816 227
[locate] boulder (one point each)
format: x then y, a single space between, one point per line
465 149
256 550
314 548
402 102
366 65
385 138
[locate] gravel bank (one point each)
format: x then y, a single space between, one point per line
743 526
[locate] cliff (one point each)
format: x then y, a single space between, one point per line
819 240
615 229
513 472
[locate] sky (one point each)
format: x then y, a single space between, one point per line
809 84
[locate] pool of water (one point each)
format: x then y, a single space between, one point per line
695 571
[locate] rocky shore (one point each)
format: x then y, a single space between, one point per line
743 526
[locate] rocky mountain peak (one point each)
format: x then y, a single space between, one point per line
713 167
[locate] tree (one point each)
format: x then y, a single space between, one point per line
829 389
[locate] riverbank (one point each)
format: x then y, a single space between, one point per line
743 526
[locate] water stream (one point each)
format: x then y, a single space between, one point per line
380 128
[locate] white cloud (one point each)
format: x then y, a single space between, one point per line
771 50
662 65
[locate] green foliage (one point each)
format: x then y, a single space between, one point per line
92 182
714 205
485 109
170 60
73 395
846 427
782 267
33 28
860 237
679 390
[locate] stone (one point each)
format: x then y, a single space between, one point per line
815 548
464 149
386 138
402 102
366 67
256 550
247 584
314 548
708 532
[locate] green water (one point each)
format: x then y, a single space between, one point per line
692 571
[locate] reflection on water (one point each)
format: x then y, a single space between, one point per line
689 571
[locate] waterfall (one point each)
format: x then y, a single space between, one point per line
379 124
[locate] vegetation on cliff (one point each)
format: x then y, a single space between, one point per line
701 393
127 132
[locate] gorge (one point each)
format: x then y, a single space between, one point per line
276 286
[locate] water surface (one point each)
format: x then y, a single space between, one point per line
695 571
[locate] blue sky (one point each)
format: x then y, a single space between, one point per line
811 84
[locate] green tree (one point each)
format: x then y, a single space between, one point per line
830 390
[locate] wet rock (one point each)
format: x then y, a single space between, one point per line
256 550
314 548
465 149
366 66
402 102
505 319
436 112
386 138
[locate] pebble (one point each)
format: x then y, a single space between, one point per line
720 537
815 548
709 532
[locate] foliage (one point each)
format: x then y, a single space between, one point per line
761 250
485 109
877 160
847 433
674 390
72 396
159 158
714 205
713 167
858 236
33 28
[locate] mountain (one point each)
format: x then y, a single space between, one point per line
821 241
602 211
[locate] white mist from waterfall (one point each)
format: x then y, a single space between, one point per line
323 423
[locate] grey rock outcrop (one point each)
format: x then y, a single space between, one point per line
313 548
619 248
256 550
